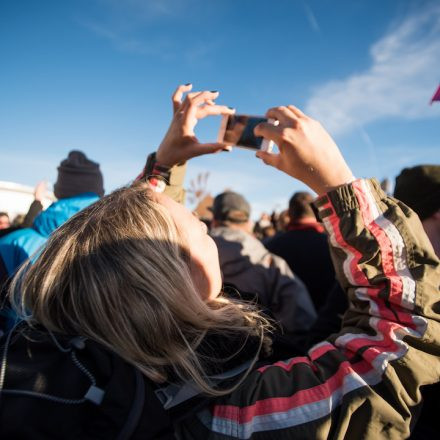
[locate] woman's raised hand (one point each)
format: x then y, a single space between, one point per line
180 142
306 150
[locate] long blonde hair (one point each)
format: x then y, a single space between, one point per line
118 273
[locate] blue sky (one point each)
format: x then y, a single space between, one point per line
97 75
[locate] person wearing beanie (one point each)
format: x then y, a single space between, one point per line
251 268
79 184
419 188
76 175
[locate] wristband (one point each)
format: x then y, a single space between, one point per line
153 168
155 174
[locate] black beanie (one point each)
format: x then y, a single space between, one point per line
77 175
419 188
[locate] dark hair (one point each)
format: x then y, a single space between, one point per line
2 213
300 205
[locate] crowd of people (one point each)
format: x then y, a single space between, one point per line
125 316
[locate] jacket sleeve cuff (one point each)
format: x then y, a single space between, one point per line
343 199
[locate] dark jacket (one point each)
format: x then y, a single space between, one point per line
65 376
308 256
329 318
60 372
247 264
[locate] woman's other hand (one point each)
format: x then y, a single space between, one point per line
306 150
180 142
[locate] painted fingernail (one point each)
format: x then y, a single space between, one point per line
214 91
188 84
227 149
231 108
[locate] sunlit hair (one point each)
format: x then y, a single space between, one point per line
118 273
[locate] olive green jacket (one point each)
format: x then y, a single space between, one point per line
364 382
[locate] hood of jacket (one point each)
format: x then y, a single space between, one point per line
60 211
238 250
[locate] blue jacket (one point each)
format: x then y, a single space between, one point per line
18 246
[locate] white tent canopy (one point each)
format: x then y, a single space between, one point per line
16 198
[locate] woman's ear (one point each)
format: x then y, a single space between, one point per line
205 284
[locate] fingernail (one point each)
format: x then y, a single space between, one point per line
227 149
214 91
188 84
231 108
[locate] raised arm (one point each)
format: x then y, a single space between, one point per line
36 206
363 382
180 143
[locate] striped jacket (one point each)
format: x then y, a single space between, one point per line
363 382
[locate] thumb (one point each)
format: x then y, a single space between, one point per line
271 159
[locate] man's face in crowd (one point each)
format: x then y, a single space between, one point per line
4 222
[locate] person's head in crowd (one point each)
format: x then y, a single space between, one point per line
5 221
232 210
268 232
165 264
300 206
283 220
419 188
265 220
77 175
79 184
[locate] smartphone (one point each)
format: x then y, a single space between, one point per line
238 130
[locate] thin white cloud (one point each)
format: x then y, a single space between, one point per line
371 151
400 82
123 25
125 42
141 11
311 17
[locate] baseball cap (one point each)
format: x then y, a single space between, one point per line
231 206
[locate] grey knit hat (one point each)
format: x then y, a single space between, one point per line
419 188
77 175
